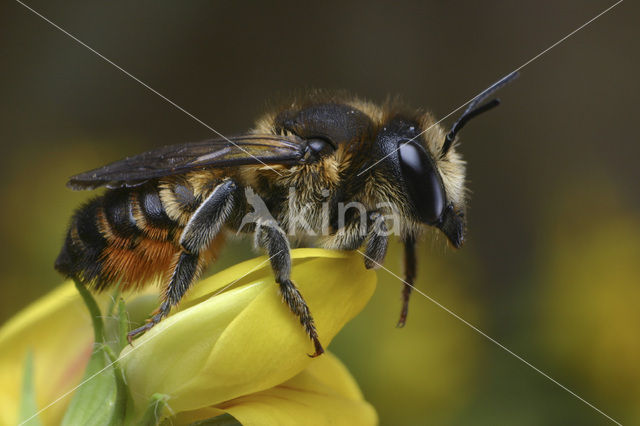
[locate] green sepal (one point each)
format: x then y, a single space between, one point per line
28 405
153 413
102 396
222 420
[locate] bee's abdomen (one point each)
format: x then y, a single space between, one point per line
124 236
83 245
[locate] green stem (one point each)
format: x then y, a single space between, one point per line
123 324
94 311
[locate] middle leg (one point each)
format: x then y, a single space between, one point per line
274 241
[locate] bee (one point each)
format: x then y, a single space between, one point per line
164 212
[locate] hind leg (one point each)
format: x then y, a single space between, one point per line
196 237
184 274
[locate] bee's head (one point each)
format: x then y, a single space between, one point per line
431 171
432 185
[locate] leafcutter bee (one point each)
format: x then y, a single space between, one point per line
164 211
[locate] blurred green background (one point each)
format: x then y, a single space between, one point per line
552 264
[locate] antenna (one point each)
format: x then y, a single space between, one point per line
474 109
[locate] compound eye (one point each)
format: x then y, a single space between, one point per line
422 182
319 147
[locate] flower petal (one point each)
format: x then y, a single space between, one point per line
244 340
323 393
57 329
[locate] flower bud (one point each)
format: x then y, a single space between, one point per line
244 340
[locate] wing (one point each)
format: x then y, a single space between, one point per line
181 158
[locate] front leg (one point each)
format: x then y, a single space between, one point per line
351 237
409 277
272 238
378 241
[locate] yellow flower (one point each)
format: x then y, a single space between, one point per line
241 351
244 340
324 393
57 329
